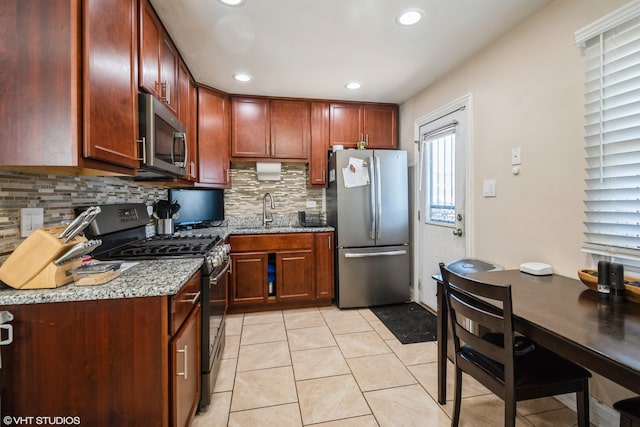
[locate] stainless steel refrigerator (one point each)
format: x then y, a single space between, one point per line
368 205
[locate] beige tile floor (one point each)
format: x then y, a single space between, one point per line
343 368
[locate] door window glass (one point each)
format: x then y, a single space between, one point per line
441 194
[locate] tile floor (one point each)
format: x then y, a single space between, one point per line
328 367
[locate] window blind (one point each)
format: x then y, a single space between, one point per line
612 138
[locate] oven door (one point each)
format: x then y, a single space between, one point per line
213 338
218 297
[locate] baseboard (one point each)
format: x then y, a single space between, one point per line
601 415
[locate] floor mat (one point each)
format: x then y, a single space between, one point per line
409 322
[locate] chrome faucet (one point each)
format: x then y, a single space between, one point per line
265 219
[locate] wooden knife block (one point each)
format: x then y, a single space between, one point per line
31 265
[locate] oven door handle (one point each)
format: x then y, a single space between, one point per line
214 280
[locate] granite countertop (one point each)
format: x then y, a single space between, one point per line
226 231
276 229
145 279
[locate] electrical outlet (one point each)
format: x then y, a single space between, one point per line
311 204
30 220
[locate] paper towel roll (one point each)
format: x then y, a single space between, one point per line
268 171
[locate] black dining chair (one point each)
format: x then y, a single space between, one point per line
511 366
629 412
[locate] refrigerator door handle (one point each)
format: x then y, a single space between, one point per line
372 200
374 254
378 199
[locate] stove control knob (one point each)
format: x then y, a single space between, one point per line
226 248
216 260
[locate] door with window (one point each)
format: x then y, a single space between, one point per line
442 196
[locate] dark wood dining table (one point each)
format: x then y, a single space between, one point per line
565 316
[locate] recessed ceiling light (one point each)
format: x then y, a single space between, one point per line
352 85
232 2
409 17
241 77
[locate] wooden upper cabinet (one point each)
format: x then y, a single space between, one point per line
187 114
250 127
380 123
158 59
345 124
290 129
318 160
213 137
110 93
375 123
78 107
270 129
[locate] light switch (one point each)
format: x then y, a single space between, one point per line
516 156
30 220
489 188
310 204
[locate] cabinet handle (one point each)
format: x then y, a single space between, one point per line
323 179
228 177
184 352
144 149
329 242
167 92
195 297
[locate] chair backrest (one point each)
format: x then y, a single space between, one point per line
488 306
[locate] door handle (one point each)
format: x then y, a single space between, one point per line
457 232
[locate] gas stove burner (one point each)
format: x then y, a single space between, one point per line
166 246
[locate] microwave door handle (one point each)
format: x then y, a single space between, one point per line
176 136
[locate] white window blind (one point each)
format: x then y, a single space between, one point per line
612 135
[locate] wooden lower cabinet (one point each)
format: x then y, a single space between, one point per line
297 263
294 275
248 277
104 362
324 252
185 351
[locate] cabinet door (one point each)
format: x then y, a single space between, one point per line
110 88
345 124
294 275
319 144
381 126
185 370
323 246
213 137
168 73
290 129
250 128
249 277
185 113
150 35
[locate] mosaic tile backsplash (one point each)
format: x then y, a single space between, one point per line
59 195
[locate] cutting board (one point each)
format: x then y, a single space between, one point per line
31 266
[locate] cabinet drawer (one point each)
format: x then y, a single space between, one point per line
181 304
271 242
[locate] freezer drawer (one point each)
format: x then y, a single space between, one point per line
372 276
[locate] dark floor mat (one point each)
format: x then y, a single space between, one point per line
409 322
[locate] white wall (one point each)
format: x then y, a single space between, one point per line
527 92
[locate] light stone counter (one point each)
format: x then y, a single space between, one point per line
276 229
146 279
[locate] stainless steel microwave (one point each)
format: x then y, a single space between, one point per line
164 142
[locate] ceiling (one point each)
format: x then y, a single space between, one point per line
312 48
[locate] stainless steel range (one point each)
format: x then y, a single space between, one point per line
122 228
